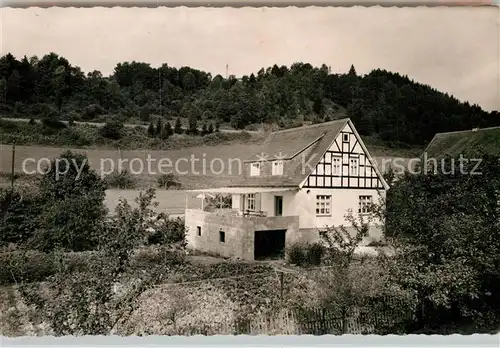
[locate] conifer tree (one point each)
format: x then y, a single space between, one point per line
178 126
164 133
159 127
168 129
193 125
151 130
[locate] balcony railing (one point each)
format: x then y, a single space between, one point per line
260 213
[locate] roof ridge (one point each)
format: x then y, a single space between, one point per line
314 125
469 130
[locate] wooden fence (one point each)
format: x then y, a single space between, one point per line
311 322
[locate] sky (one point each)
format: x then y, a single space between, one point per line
455 50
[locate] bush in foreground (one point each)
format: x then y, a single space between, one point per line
303 254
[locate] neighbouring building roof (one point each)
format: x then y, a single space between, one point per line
310 142
455 143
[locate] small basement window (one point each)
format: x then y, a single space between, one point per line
222 236
199 230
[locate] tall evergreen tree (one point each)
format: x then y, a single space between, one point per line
164 133
168 129
193 125
159 127
151 130
178 126
352 71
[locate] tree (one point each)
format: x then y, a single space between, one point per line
168 180
72 197
112 130
18 213
217 126
391 106
165 133
121 180
168 129
151 130
446 236
159 127
341 245
189 81
352 71
210 128
86 303
204 130
178 126
193 126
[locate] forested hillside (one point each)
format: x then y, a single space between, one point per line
384 104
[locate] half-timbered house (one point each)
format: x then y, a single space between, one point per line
302 180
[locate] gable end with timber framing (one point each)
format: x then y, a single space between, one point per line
346 164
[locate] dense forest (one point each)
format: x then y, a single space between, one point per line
388 105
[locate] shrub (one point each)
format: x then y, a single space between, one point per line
303 254
112 130
168 231
218 202
168 180
315 253
151 257
73 116
42 110
122 180
8 126
17 214
296 254
33 266
53 123
252 128
92 111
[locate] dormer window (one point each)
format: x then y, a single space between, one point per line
255 169
277 168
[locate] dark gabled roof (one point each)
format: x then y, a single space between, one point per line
299 145
288 143
462 142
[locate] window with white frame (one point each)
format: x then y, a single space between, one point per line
277 168
250 203
255 169
323 205
353 166
365 203
336 165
